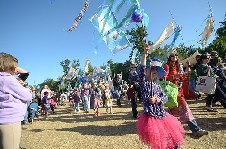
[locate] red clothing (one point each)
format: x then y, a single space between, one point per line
185 86
53 101
130 92
183 111
169 76
170 73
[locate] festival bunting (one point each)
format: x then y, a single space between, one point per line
177 31
71 73
79 17
208 29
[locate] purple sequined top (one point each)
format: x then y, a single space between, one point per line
157 109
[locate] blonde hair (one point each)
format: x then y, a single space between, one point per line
8 63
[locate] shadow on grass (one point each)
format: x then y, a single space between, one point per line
88 117
37 130
119 130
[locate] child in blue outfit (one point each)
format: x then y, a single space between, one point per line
156 128
77 97
33 110
46 103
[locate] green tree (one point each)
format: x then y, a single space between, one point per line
66 66
52 84
75 64
137 40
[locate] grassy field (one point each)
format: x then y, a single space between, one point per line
68 130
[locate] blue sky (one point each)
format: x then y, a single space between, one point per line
34 31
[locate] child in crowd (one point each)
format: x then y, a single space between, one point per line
53 103
71 101
86 96
97 99
77 97
33 110
155 127
46 104
13 102
108 99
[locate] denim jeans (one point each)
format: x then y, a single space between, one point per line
86 103
26 114
76 107
193 125
192 84
34 113
118 96
26 117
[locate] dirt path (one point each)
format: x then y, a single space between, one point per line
66 130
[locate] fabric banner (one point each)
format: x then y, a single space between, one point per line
168 31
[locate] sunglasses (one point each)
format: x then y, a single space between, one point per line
133 67
174 55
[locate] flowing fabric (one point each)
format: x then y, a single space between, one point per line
107 14
116 40
207 31
101 24
176 35
145 20
160 133
168 31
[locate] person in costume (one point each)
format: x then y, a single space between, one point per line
155 127
174 75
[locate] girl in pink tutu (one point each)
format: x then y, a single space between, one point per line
156 128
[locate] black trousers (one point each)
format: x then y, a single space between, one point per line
133 99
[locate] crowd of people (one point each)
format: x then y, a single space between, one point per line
157 126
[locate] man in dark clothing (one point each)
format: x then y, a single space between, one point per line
134 89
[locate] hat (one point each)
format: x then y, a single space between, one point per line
157 64
214 53
204 56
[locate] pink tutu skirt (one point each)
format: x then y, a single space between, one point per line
164 133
